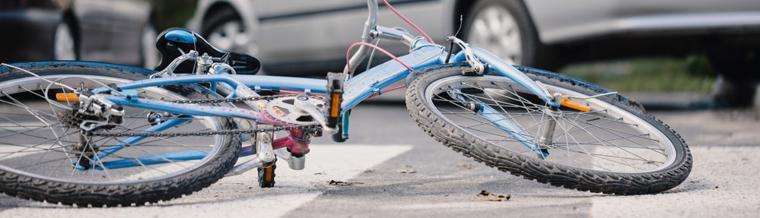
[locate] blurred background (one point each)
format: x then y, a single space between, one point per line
705 51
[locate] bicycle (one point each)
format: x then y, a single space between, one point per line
100 134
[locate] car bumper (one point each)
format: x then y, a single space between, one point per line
28 35
668 24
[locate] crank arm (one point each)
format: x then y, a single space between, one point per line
264 150
264 155
246 166
295 163
303 104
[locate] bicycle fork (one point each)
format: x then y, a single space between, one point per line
546 138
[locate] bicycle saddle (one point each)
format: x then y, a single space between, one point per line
171 43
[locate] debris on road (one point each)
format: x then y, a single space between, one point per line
342 183
407 169
488 196
466 165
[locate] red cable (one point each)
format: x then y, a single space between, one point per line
388 90
394 88
394 57
408 22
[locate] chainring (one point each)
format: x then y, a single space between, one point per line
284 109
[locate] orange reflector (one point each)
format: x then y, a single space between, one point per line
335 101
566 102
67 97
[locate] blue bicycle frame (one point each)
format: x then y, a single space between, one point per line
423 55
367 84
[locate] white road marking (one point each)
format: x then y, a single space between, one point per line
8 151
723 182
9 126
232 197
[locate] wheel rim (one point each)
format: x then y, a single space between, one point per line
495 28
231 36
611 140
30 147
65 47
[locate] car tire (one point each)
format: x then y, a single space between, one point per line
737 82
64 43
149 56
226 30
515 40
731 92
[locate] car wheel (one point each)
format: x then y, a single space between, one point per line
504 27
225 30
737 84
149 53
65 47
732 92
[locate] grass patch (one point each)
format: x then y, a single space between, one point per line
690 74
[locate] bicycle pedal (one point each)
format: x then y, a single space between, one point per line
335 88
266 175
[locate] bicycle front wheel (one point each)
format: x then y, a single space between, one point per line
615 147
45 156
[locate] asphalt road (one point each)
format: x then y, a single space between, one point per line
390 168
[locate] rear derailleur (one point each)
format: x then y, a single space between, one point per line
90 113
97 112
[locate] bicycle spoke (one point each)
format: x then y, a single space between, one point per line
601 139
35 136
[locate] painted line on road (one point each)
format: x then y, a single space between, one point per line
232 197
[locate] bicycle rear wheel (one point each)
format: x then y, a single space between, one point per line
614 148
44 156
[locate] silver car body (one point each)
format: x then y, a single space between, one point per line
573 19
293 32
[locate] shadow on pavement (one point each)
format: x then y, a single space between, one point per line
654 102
650 106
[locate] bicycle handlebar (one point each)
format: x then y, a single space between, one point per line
369 27
372 32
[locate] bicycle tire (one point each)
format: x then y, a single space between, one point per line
534 168
117 194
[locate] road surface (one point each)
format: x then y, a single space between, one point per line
390 168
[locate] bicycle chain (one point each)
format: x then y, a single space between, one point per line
227 100
217 132
208 133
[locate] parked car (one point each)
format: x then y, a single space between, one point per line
116 31
305 36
